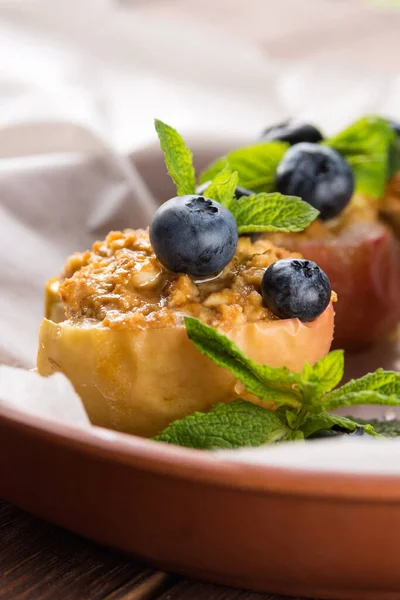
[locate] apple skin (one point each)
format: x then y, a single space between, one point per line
362 262
139 381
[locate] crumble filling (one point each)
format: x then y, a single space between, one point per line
121 285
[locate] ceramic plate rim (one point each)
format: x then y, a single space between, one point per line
200 466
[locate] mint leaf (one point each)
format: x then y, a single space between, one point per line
327 373
365 145
223 186
383 383
385 428
362 397
256 165
325 421
272 212
381 387
178 158
232 425
293 436
210 172
301 399
278 385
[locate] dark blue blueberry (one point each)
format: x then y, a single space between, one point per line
296 288
292 132
194 235
319 175
239 191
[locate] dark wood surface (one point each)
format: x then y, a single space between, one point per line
39 561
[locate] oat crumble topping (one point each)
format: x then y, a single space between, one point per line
121 284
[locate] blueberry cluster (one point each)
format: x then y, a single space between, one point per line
198 236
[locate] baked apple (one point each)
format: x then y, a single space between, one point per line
114 326
350 241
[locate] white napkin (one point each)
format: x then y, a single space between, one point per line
51 397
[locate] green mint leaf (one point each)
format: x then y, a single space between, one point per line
272 212
210 172
365 145
223 186
178 158
293 436
362 397
385 428
291 418
232 425
325 421
382 384
326 374
278 385
256 165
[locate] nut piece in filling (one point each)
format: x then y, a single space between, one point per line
123 343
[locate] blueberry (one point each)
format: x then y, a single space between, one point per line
239 191
295 288
319 175
194 235
292 132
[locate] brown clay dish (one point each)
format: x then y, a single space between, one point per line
313 534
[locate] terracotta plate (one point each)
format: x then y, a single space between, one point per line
285 529
316 520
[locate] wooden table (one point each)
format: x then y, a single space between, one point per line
39 561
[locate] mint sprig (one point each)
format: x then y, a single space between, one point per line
302 400
255 164
261 212
366 145
178 158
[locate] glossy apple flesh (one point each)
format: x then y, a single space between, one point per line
362 262
138 381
